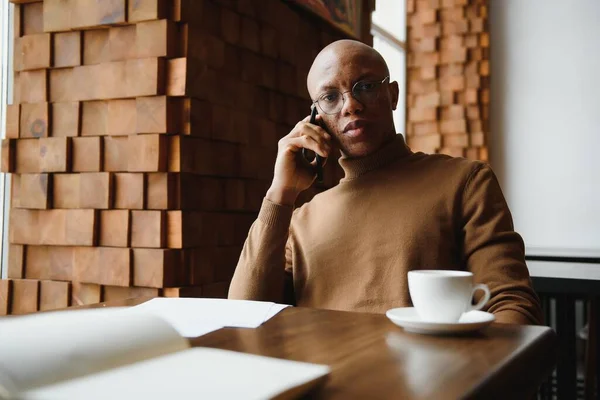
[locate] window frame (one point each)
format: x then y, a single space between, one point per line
6 81
380 33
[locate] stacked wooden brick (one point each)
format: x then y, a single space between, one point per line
141 140
448 85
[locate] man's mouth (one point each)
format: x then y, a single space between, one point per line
355 128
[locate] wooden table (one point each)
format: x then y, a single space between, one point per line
372 358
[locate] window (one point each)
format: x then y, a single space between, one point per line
388 27
6 40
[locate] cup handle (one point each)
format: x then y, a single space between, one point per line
484 299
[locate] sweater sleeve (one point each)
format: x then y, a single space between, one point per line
264 269
495 253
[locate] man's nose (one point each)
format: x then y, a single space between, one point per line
351 105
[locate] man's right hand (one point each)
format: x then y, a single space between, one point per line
293 174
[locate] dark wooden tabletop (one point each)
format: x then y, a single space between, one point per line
372 358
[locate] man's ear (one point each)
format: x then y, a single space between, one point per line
393 91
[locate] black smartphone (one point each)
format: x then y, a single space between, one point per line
318 158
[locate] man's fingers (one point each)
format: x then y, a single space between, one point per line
306 128
319 130
315 132
323 161
296 144
319 147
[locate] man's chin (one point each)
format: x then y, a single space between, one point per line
360 149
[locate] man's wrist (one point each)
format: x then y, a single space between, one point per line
283 196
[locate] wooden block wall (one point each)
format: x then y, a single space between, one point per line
142 138
448 77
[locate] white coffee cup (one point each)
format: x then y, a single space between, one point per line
443 295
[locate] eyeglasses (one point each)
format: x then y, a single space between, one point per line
366 92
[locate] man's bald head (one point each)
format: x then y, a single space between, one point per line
363 124
343 53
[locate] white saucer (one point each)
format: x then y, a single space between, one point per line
407 318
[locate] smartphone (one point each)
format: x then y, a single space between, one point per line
318 158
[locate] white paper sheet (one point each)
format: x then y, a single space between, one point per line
39 349
197 317
197 373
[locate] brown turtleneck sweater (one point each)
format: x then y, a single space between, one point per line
350 247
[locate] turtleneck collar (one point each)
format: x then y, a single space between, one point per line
390 152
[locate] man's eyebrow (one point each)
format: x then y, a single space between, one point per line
370 75
322 88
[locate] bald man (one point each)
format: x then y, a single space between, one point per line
350 248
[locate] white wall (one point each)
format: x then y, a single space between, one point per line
545 118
